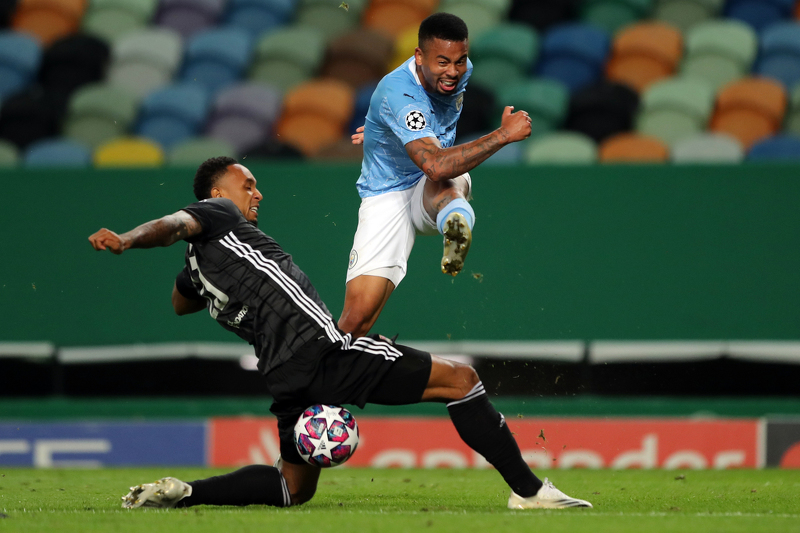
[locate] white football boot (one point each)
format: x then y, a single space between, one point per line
548 497
457 239
164 494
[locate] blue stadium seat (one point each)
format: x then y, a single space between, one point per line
217 58
759 13
189 17
780 53
244 115
57 153
363 97
20 55
779 147
173 114
574 54
259 16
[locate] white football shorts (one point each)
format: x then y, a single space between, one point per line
387 226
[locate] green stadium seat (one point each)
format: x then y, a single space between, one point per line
675 108
145 60
112 19
503 54
546 100
611 15
792 121
685 14
719 51
287 57
564 147
478 17
98 113
194 151
9 155
328 18
499 8
707 148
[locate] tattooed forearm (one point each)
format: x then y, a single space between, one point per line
446 163
164 231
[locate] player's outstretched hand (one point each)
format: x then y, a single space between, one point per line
108 240
516 125
358 136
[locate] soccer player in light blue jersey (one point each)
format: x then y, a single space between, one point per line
413 180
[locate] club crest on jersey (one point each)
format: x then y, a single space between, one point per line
353 259
459 101
415 120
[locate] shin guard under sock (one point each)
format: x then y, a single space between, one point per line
485 431
251 485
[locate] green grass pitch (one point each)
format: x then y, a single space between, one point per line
388 501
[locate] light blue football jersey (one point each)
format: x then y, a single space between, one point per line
401 111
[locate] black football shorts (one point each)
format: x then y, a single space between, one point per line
374 370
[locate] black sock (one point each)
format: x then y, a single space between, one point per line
485 431
251 485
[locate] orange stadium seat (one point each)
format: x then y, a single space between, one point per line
393 17
750 109
49 20
316 114
633 148
358 57
644 53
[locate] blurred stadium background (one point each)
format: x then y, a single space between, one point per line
633 290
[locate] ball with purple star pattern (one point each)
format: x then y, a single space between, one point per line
326 435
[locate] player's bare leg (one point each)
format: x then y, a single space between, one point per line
364 299
439 200
301 480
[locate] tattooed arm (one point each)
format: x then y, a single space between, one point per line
446 163
164 231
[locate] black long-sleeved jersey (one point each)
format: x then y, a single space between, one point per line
252 286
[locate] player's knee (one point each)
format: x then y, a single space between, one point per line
466 379
303 495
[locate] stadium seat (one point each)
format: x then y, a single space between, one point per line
780 53
792 122
243 115
145 60
9 154
57 153
358 57
72 62
316 114
685 14
503 54
217 58
259 16
173 114
288 56
633 148
563 147
602 110
719 51
112 19
644 53
98 113
189 17
194 151
7 9
613 15
759 14
361 106
750 109
777 148
574 54
546 101
393 17
707 148
49 20
30 116
129 152
329 18
675 108
20 56
274 149
542 15
479 15
404 47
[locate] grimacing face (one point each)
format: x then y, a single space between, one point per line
239 186
441 64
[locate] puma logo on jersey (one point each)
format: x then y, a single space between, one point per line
238 320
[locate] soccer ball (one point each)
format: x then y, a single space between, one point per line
326 435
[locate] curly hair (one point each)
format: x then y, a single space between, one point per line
208 173
444 26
